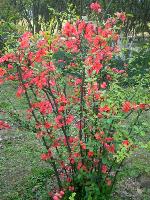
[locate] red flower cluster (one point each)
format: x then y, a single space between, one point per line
126 143
128 106
46 156
4 125
121 16
96 7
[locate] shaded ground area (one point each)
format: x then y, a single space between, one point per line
136 183
24 176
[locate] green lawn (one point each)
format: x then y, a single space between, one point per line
23 175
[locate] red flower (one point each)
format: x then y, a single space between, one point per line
97 136
56 198
4 125
97 67
126 107
24 44
118 71
69 29
71 188
79 165
1 81
62 100
40 134
44 107
68 179
59 121
72 161
121 16
81 26
108 77
76 155
11 77
96 7
46 156
69 119
104 169
104 85
135 106
78 81
83 145
108 139
110 148
27 74
90 154
61 108
10 66
62 192
142 106
104 109
125 143
19 92
58 195
47 125
2 72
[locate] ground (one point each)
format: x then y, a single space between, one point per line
21 170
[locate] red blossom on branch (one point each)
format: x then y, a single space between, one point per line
126 107
46 156
96 7
104 169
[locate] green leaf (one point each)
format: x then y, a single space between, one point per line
109 121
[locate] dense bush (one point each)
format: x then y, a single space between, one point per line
78 109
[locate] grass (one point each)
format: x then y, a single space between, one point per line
21 168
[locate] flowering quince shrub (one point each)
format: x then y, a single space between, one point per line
67 80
